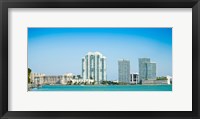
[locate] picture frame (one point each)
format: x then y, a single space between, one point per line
6 4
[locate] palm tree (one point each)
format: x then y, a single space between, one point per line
29 75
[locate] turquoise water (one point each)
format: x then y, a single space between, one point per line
104 88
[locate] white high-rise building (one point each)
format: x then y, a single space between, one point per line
94 67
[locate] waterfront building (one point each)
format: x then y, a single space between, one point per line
116 81
134 78
169 79
94 67
154 82
124 71
147 69
37 78
66 79
52 79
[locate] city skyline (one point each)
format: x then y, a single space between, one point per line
57 51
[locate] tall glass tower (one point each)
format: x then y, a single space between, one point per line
94 67
124 71
147 70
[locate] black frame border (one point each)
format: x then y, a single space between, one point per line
5 4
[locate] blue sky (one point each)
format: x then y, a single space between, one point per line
55 51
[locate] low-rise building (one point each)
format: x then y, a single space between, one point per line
154 82
134 78
68 78
169 78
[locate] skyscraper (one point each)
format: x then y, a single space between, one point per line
147 70
151 71
124 71
94 67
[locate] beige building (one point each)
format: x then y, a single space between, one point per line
68 78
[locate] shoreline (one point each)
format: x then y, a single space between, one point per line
104 88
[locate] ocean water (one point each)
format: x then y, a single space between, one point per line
104 88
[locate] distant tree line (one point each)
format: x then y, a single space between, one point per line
161 78
109 83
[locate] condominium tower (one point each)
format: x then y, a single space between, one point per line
147 69
94 67
124 71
